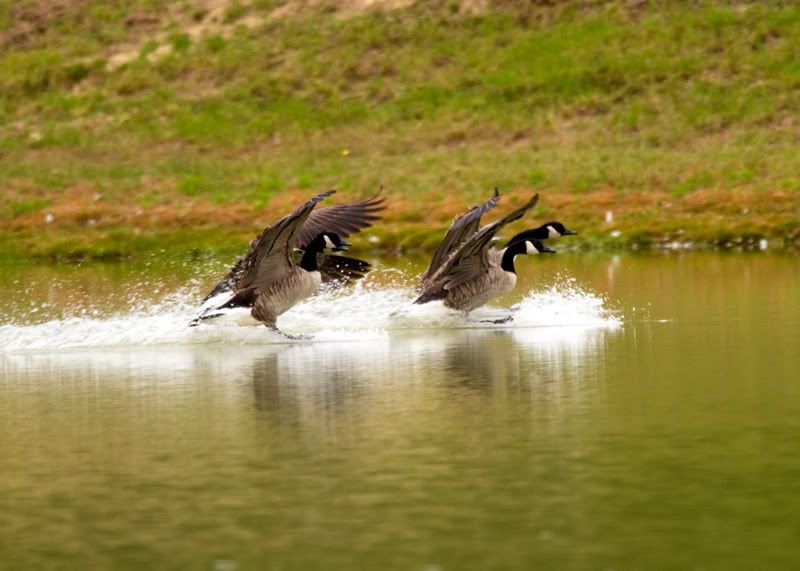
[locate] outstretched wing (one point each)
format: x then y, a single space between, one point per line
272 257
462 228
343 219
341 269
471 259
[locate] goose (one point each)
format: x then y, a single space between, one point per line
270 279
474 272
467 224
547 231
342 219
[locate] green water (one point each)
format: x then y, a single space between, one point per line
670 442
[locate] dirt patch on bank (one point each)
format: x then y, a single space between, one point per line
29 21
701 217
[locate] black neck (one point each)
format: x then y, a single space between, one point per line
540 233
309 260
507 263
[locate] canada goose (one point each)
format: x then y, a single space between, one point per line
544 232
474 272
270 280
341 219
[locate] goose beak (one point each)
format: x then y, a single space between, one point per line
569 232
342 246
546 250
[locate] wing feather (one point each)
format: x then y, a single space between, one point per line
471 259
462 228
343 219
272 256
342 269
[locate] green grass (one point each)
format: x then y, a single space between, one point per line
20 207
577 98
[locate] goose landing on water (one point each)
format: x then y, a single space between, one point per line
269 280
466 272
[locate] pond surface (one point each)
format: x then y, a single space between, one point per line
640 412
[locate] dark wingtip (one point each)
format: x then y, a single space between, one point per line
376 202
492 202
323 195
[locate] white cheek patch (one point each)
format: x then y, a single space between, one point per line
530 248
329 243
552 232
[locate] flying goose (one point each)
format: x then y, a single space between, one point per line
270 280
474 272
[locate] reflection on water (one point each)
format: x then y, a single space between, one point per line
316 375
567 441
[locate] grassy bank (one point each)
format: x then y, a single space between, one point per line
137 126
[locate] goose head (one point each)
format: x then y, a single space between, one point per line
557 229
545 231
328 242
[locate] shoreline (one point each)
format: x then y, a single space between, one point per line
81 224
174 244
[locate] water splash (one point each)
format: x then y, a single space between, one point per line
364 312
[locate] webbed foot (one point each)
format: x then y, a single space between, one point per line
273 327
498 321
298 337
196 321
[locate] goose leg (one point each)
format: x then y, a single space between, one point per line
267 315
